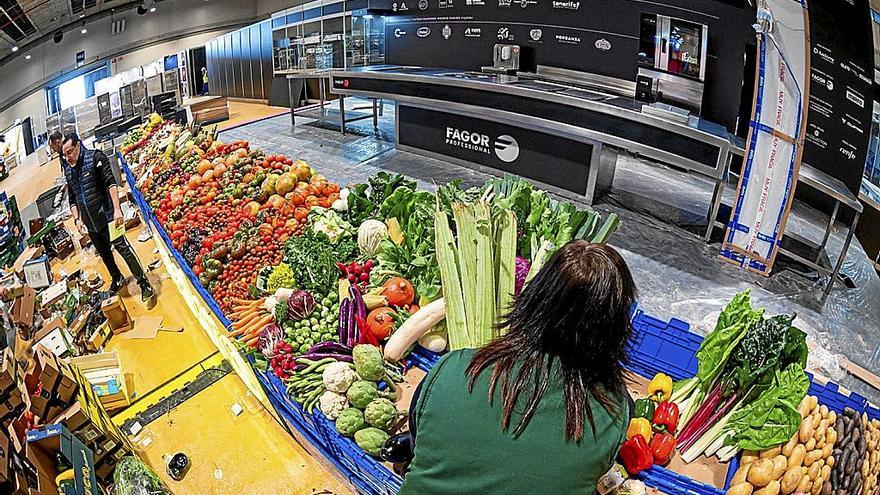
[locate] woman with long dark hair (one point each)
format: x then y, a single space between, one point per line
544 408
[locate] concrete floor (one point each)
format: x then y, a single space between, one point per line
663 213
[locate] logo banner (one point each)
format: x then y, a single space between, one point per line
776 137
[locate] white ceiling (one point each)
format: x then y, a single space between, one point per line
23 21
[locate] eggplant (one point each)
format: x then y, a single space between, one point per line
398 449
330 347
344 329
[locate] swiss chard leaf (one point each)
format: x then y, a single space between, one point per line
772 418
384 184
732 325
360 206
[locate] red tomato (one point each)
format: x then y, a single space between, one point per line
399 291
380 322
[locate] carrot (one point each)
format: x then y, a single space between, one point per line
245 302
254 342
246 320
257 325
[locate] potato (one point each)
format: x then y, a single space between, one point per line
823 410
760 473
780 464
814 470
831 436
740 489
771 453
830 461
805 432
822 428
820 442
796 459
811 444
789 446
772 488
790 480
805 484
826 472
804 407
741 474
817 486
832 418
749 456
811 457
826 451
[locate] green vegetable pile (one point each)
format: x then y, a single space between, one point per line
133 477
319 327
312 258
281 277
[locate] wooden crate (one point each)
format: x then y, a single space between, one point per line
107 378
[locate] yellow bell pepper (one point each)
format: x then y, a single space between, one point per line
639 426
660 388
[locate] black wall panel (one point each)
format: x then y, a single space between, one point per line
236 64
246 76
256 61
266 57
571 34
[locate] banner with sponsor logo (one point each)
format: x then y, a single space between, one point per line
552 160
775 142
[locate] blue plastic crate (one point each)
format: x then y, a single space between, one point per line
660 346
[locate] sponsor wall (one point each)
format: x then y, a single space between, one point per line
598 36
841 77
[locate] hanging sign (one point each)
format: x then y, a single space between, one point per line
80 58
776 137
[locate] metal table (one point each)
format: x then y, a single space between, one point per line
822 182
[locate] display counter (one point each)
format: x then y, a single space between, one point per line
504 122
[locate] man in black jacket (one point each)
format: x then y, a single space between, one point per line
94 202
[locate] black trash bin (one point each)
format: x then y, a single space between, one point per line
45 203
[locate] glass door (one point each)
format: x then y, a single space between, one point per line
685 47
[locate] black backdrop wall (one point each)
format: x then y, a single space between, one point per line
564 33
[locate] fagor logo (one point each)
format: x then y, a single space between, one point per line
506 148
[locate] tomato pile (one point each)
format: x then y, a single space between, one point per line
229 209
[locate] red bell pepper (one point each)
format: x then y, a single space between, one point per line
662 446
636 455
665 417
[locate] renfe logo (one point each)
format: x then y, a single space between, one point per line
506 148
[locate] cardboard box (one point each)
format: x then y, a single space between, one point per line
53 294
55 337
118 317
57 386
56 442
5 462
14 287
37 273
105 374
41 481
23 308
79 323
10 372
14 403
28 254
99 337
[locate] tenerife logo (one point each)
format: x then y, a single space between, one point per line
566 4
506 148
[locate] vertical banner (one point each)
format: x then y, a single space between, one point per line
776 137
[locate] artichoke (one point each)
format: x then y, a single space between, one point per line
350 421
368 362
361 393
380 413
371 440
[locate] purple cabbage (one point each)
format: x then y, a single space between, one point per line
522 270
269 338
300 305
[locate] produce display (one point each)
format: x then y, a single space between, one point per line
330 288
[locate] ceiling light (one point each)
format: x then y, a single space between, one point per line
14 48
152 9
27 57
81 16
84 31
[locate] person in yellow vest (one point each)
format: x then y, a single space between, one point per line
204 81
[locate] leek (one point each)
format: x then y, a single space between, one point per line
484 328
505 261
447 260
466 228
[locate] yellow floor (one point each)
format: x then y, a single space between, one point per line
249 453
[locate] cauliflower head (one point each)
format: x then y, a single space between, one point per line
331 404
338 377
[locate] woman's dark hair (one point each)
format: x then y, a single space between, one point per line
575 312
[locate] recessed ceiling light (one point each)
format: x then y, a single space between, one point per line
27 57
81 16
14 48
84 31
152 9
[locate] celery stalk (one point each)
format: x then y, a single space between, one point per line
485 275
505 262
608 228
447 260
539 258
466 228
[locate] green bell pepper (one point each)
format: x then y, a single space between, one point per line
644 408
